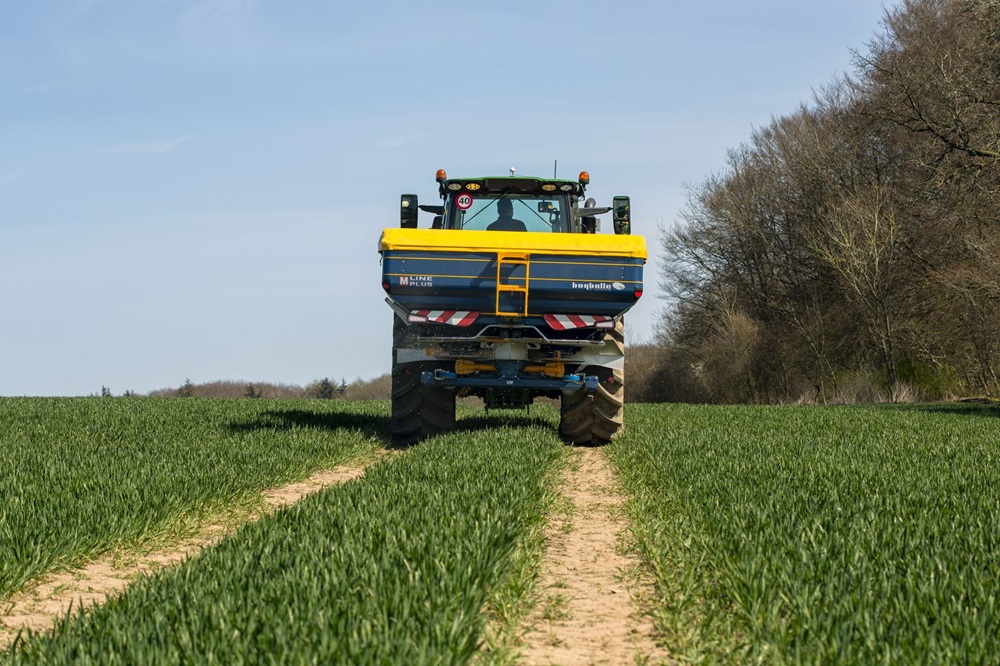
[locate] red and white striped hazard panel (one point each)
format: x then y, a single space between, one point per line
562 322
451 317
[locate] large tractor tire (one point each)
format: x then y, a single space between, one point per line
418 411
593 419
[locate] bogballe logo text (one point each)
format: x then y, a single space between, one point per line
593 286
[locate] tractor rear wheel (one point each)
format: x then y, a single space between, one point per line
418 411
595 418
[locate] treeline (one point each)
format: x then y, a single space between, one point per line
851 250
378 388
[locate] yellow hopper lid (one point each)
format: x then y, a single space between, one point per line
451 240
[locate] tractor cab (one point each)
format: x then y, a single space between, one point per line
515 203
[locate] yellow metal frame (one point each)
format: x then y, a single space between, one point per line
555 368
467 367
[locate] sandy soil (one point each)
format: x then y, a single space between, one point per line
42 603
588 612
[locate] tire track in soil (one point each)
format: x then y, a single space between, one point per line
46 601
587 613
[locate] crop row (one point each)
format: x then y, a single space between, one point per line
81 476
393 567
819 535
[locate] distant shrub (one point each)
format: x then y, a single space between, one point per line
379 388
643 373
928 381
323 389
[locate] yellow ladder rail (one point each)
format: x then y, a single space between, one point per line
513 259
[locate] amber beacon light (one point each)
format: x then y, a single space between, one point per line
584 178
441 175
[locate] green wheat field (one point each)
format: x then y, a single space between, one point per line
833 535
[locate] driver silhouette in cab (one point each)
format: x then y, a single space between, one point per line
505 220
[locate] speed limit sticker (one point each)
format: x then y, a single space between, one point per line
464 201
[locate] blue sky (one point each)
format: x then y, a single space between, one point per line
195 188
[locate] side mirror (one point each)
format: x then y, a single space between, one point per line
589 223
408 211
621 212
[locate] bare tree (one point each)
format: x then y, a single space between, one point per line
861 242
937 66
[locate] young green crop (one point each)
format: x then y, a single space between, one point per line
819 535
81 476
391 568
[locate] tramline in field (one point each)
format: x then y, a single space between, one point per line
511 294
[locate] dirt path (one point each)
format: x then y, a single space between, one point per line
39 606
587 614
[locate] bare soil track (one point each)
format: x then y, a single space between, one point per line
48 599
589 612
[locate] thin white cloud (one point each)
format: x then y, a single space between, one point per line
394 143
149 148
11 177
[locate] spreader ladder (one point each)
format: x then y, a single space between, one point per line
512 260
